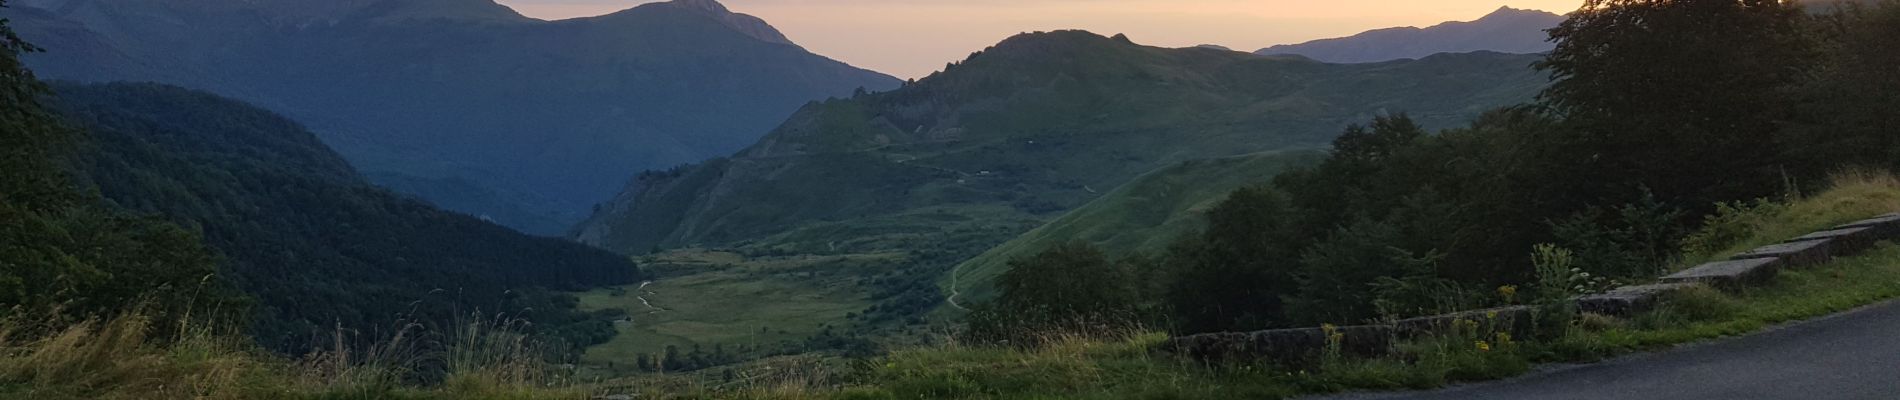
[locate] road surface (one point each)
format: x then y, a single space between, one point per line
1853 355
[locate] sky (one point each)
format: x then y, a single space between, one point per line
912 38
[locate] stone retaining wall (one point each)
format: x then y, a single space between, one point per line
1750 268
1288 345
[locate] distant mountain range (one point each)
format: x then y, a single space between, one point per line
1508 30
1020 133
465 103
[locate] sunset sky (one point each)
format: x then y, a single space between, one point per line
911 38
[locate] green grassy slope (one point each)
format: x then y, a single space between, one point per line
1026 130
1143 216
747 307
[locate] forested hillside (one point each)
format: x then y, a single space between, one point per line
1660 137
464 102
1141 218
65 254
1018 133
314 245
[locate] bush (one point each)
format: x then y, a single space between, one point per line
1071 288
1632 242
1732 223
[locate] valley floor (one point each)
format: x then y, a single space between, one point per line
727 306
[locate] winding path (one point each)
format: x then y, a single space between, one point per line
952 300
642 295
1852 355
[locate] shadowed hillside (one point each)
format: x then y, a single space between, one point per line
297 228
465 102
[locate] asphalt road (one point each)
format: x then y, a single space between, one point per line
1853 355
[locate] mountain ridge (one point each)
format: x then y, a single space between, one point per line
1506 30
1005 140
745 23
464 102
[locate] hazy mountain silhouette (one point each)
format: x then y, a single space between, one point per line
1507 30
465 102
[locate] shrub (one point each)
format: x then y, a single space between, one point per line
1732 223
1631 242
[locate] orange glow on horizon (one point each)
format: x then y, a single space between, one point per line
912 38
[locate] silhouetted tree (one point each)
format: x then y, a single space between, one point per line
1672 93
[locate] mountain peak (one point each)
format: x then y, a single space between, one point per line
1507 30
1059 38
747 24
710 6
1509 12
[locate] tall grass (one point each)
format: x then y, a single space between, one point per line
118 358
1850 196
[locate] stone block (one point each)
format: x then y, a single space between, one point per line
1794 254
1844 241
1211 346
1731 274
1514 319
1884 227
1291 346
1629 299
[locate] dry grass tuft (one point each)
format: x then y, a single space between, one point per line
116 358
